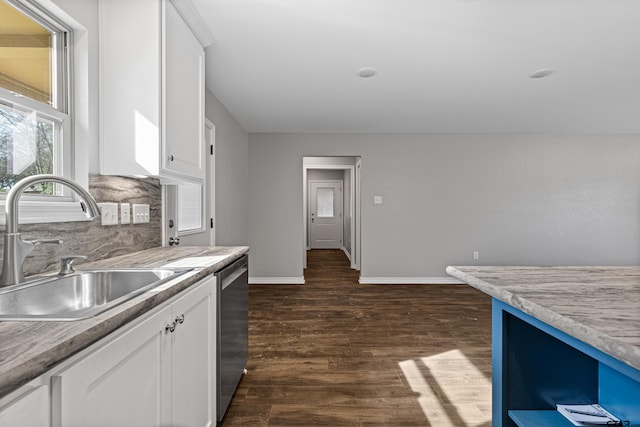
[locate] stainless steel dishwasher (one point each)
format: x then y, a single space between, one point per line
233 329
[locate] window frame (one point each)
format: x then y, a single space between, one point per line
65 207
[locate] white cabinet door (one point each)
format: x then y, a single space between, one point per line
192 358
30 410
151 92
125 383
184 98
130 81
157 373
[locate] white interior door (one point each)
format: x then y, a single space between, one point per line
325 214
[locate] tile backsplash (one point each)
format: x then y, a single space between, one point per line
92 239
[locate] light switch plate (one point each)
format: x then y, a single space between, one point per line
377 200
140 213
108 213
125 213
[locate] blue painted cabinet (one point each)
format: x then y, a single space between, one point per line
536 366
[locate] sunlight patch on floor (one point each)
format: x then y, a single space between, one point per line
452 390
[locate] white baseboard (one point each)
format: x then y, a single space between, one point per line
276 280
409 280
346 252
363 280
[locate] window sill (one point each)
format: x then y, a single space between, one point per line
191 231
31 212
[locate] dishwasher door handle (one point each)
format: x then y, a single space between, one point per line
232 277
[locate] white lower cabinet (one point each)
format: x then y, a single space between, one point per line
29 410
157 373
192 360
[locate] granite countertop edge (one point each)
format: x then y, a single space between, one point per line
611 346
30 349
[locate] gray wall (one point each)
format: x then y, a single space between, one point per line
232 175
517 199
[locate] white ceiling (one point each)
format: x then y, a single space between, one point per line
443 65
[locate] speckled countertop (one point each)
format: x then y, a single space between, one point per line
597 305
29 349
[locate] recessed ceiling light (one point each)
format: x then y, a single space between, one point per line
543 72
366 72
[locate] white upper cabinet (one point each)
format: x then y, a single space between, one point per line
151 92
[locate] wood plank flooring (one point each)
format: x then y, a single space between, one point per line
336 353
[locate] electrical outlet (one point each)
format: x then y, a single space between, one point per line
377 200
125 213
108 213
140 213
476 255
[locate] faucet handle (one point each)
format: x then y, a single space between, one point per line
37 242
66 263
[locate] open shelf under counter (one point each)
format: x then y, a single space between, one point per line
551 418
561 335
537 366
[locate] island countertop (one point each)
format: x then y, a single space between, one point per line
597 305
29 349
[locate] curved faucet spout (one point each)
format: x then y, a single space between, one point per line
16 249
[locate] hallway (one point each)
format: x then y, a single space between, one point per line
336 353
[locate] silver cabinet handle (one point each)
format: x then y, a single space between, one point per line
170 327
180 319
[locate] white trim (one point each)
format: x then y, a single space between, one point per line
276 280
167 192
190 14
355 202
409 281
357 245
76 150
210 179
35 212
346 253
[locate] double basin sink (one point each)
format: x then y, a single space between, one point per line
81 294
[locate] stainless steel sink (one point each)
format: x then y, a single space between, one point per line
80 295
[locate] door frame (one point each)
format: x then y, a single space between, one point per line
354 207
207 233
210 177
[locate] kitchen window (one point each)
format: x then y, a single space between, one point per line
36 135
190 209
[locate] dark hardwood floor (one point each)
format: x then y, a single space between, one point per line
337 353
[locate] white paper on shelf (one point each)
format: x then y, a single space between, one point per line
578 419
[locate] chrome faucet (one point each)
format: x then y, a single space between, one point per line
16 249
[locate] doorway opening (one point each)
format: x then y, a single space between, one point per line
331 205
